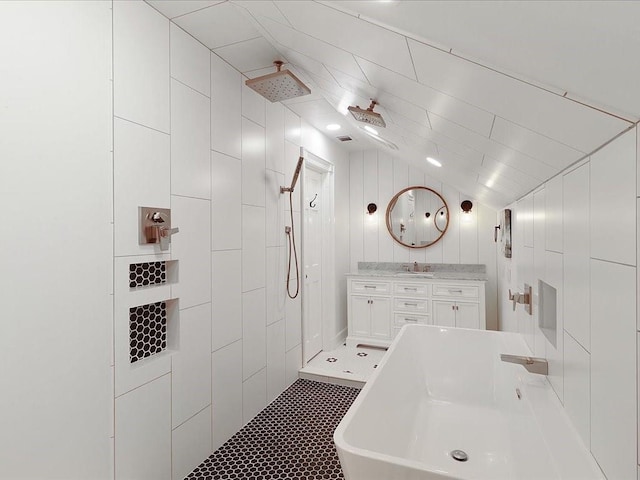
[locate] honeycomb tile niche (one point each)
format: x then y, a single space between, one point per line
147 330
146 274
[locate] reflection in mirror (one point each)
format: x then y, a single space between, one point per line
417 217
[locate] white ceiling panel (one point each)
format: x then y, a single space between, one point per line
553 116
175 8
492 168
498 151
263 8
444 105
312 47
533 144
249 55
584 48
306 63
364 39
217 26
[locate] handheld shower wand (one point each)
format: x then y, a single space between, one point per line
290 230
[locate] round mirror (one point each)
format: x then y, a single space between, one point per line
417 217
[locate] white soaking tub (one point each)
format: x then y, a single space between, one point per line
443 389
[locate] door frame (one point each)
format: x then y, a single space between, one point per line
328 300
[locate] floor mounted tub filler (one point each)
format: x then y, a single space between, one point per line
442 405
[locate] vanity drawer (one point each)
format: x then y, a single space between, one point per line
410 305
370 287
464 291
411 289
401 319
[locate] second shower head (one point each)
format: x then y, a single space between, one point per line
368 115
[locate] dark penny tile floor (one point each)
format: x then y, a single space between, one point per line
292 438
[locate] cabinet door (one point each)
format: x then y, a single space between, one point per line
444 313
381 318
467 315
360 316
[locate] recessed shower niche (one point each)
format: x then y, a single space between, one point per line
146 274
152 329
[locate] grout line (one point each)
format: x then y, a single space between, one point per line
193 306
191 197
191 417
143 384
413 64
491 129
195 90
198 10
140 124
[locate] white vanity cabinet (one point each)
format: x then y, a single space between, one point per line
379 307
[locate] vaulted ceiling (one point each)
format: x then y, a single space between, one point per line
504 94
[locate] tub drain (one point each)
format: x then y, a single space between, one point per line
459 455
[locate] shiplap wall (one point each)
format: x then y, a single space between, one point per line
375 176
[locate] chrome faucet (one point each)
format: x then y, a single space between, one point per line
532 364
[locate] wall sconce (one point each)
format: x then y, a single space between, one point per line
372 208
466 206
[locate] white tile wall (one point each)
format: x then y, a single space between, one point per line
253 163
275 136
613 368
276 276
253 106
576 255
141 65
191 365
275 209
226 108
293 363
539 268
191 443
190 61
142 171
555 356
254 395
613 194
227 392
227 297
143 432
226 202
276 371
254 332
293 317
192 248
190 142
253 247
554 217
577 370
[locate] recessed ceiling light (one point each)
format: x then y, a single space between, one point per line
370 129
333 126
433 161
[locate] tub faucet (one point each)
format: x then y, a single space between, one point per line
532 364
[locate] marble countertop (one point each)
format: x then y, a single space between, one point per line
475 276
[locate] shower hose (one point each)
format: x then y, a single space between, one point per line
292 250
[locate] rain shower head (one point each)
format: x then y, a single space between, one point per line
368 115
278 86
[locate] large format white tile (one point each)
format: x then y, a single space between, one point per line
141 65
553 214
291 156
190 142
227 392
275 360
292 130
226 202
176 8
275 136
253 164
254 332
293 317
613 368
190 61
191 246
253 106
191 364
275 209
226 108
613 192
191 442
540 271
254 395
143 432
293 363
253 248
226 298
575 233
252 54
577 370
141 169
222 25
275 283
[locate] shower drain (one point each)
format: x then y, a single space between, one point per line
459 455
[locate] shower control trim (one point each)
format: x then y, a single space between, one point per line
155 227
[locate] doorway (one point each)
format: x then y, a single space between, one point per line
318 302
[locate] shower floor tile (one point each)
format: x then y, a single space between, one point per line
345 365
292 438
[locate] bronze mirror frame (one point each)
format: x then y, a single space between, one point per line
392 204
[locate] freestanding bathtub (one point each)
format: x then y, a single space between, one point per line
444 389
